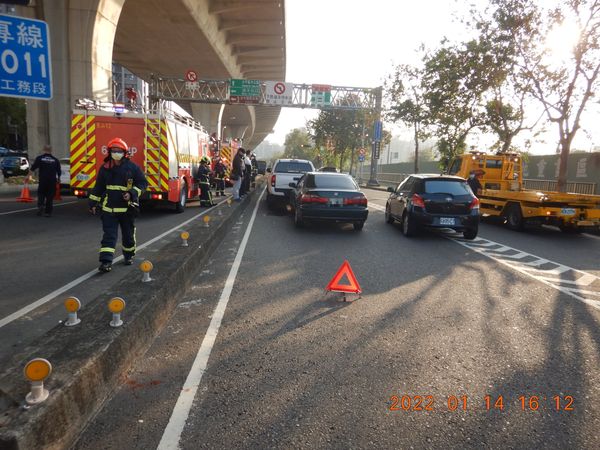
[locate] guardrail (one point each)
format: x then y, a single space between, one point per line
392 179
550 185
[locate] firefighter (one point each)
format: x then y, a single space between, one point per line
220 170
118 187
204 180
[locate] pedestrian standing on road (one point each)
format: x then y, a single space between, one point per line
116 194
220 170
204 181
237 171
247 172
49 175
474 183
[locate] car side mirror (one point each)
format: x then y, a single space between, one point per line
391 189
292 185
269 170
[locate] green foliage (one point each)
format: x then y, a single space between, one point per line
12 122
298 144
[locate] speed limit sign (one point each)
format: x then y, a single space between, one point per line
191 76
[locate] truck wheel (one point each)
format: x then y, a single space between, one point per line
408 226
514 217
573 229
180 205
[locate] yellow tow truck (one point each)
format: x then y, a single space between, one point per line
503 195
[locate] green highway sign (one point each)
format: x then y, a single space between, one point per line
244 91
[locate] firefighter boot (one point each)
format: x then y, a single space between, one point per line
105 267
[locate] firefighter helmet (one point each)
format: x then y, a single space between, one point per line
118 143
205 160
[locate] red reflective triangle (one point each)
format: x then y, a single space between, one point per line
344 270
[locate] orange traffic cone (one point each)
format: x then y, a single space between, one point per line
25 196
57 192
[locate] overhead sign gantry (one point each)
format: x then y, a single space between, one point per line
271 93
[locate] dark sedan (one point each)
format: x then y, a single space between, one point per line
434 201
333 197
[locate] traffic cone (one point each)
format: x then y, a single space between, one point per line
25 196
57 192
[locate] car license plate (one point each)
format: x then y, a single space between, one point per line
446 220
567 211
335 201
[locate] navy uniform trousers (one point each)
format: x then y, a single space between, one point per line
110 227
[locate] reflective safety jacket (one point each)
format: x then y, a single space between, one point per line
113 181
204 174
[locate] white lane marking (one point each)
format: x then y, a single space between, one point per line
21 312
172 434
377 207
34 209
592 236
577 278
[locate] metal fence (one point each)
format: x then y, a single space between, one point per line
392 179
550 185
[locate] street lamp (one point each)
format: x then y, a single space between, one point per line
222 135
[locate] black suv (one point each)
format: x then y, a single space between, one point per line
436 201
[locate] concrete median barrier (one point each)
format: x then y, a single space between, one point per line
90 359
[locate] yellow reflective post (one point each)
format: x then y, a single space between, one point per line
146 267
206 220
36 371
72 305
116 305
184 237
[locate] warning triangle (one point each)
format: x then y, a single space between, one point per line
344 271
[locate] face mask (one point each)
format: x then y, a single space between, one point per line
117 156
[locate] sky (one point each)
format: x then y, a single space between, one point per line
358 42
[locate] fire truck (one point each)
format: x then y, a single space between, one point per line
164 144
503 195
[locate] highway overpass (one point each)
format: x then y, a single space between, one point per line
216 38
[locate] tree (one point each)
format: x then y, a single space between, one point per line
13 125
562 86
454 81
405 97
298 144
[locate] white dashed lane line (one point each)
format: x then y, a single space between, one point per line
578 284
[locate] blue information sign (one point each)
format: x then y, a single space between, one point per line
378 130
361 158
25 69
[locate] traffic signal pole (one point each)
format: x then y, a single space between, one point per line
374 153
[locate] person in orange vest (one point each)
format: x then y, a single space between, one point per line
119 185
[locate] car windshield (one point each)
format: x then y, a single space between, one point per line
453 187
293 167
11 160
330 182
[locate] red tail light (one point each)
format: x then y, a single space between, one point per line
156 196
417 200
474 204
309 198
359 200
273 180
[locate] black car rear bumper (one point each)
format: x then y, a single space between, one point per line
329 214
461 222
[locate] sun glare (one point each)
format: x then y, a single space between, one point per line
561 41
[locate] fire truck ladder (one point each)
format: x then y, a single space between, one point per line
152 142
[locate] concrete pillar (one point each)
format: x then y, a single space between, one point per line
207 115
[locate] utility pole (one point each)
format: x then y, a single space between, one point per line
373 179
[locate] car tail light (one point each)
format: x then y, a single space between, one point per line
310 198
156 196
79 193
417 200
273 179
474 204
359 200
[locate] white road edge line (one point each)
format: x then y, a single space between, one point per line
172 434
21 312
33 209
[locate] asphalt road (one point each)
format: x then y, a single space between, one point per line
448 347
41 256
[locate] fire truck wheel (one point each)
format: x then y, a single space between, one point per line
180 205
